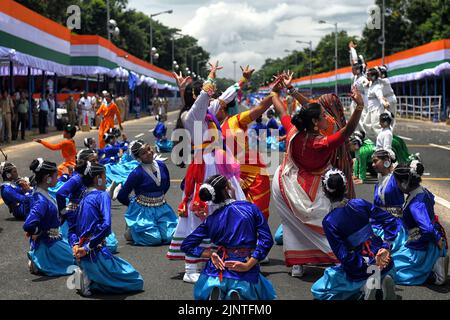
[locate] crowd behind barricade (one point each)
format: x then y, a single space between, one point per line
77 109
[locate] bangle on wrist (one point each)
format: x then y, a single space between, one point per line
243 80
291 90
274 94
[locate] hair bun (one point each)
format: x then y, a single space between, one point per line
205 194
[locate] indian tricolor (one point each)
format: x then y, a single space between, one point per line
31 40
96 55
418 63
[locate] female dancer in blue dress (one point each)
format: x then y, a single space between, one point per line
360 252
424 255
49 254
387 196
150 220
16 192
100 270
162 143
69 196
112 152
243 237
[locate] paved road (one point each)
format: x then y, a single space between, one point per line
162 277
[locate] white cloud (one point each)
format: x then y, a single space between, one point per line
252 31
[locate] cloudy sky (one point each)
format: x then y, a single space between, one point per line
252 31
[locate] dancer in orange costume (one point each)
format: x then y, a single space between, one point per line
109 111
67 147
255 181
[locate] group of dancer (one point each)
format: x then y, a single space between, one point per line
220 228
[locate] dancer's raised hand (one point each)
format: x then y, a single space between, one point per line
181 81
288 77
357 97
214 67
247 72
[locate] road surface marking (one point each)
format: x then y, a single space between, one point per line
442 202
140 135
405 138
414 127
151 130
439 130
438 146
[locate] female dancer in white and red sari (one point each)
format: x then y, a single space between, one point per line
296 187
210 159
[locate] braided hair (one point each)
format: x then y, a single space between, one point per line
334 185
136 146
42 168
5 170
409 176
89 170
303 119
214 189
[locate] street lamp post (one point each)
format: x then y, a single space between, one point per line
198 66
192 60
335 53
383 28
310 64
151 31
108 17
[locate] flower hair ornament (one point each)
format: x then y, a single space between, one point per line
210 189
413 168
331 173
41 163
88 169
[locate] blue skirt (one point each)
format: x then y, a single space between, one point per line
336 285
64 230
164 145
120 171
54 259
263 290
110 274
398 243
151 226
279 235
52 191
413 267
272 143
112 242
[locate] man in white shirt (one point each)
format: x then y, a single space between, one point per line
85 104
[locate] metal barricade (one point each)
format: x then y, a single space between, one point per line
419 107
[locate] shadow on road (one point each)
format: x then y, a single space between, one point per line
46 279
102 296
439 289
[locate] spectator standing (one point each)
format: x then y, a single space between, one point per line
43 114
7 107
22 112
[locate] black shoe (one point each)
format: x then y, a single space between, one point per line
215 294
234 295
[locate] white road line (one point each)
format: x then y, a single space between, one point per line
427 174
151 130
439 130
414 127
442 202
405 138
438 146
139 135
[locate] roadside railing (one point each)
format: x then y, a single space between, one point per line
413 107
